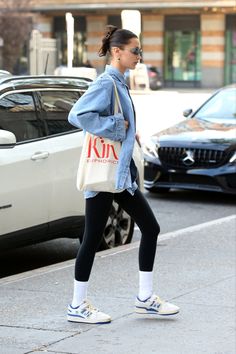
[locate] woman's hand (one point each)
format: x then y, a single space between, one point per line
126 124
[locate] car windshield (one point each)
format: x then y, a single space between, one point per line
221 106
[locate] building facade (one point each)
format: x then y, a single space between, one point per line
193 43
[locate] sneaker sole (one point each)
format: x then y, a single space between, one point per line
84 320
145 312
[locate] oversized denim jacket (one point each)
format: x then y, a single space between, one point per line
94 112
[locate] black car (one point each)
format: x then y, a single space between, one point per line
198 153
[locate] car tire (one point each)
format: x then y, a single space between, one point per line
119 228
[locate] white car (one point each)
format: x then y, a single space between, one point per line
39 155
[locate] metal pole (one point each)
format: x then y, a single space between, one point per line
70 39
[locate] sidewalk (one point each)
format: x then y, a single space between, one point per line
195 268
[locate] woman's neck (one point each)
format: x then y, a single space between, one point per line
116 65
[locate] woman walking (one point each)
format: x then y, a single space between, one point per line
94 113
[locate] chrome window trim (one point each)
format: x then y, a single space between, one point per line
40 89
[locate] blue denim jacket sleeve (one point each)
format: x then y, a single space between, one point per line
93 112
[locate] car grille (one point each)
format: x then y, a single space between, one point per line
192 158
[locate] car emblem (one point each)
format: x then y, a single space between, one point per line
188 159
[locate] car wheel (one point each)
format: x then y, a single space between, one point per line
159 190
119 228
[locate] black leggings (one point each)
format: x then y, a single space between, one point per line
97 212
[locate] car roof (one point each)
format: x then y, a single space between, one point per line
9 82
231 85
223 88
227 87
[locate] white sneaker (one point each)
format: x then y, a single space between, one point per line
154 305
86 313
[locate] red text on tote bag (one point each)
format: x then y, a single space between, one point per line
99 148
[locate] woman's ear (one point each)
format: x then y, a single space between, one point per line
116 51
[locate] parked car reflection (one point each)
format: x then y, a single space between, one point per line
199 152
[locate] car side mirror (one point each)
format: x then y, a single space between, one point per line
7 139
187 112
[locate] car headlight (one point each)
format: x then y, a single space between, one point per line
233 158
150 147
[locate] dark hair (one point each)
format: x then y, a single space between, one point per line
115 37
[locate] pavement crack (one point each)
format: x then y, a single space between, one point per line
39 329
32 290
45 347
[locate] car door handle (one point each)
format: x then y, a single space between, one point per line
40 155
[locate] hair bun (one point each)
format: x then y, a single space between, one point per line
110 29
114 37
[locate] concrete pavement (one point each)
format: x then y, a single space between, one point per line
195 268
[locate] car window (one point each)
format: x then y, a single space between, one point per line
18 115
221 106
57 105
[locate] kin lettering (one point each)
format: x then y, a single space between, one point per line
101 150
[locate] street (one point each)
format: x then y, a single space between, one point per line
155 110
174 211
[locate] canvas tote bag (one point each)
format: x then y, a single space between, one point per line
99 160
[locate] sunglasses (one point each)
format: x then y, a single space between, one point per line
136 51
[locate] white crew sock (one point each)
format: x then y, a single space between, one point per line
145 285
80 292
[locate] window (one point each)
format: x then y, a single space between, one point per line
19 116
182 50
80 51
57 105
114 20
230 55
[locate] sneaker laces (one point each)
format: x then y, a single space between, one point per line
90 307
158 300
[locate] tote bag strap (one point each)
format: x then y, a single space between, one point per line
117 107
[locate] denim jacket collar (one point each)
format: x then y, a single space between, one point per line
115 72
